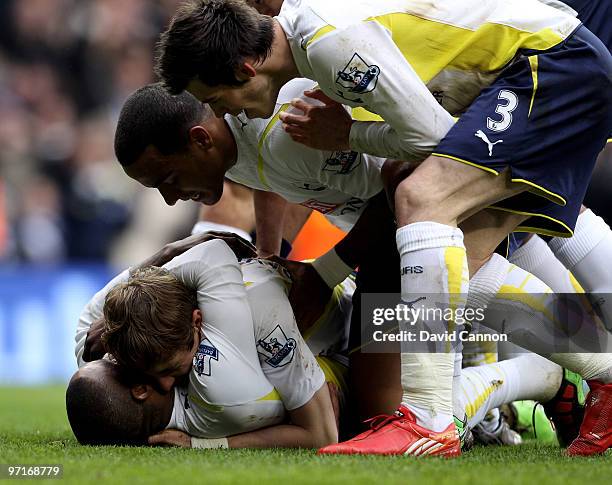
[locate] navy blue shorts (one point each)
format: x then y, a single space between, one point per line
596 15
545 119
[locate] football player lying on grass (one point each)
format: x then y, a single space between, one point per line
227 401
247 364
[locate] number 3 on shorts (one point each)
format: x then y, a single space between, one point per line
505 110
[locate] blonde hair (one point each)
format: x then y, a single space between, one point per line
148 318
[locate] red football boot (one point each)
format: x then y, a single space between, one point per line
595 435
399 434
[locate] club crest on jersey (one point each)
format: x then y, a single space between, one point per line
342 162
358 76
206 353
277 348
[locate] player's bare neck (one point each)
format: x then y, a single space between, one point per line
280 65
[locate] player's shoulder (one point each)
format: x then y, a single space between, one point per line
264 274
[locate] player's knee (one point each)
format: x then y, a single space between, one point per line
407 194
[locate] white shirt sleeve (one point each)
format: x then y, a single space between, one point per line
92 312
285 358
211 268
362 66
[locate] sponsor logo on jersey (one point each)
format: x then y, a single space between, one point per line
322 207
412 270
277 348
206 353
342 163
358 76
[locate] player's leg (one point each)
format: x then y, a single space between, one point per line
534 256
527 323
585 255
486 387
523 142
434 265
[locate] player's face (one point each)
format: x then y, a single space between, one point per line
255 97
166 373
192 174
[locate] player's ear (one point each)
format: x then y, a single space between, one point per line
141 392
196 319
246 71
201 137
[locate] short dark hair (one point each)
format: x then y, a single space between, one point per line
147 319
209 39
101 409
152 116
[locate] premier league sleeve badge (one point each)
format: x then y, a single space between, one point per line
277 348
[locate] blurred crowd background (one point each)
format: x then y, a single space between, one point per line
66 67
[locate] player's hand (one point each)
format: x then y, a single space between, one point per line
309 294
170 437
240 246
322 127
94 350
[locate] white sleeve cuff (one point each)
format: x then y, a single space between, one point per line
331 268
204 443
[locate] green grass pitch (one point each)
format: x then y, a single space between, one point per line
34 429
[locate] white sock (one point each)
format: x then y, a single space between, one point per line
479 353
535 257
587 254
486 387
434 266
520 311
596 367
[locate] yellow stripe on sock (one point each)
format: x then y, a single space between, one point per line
514 293
455 261
472 408
577 287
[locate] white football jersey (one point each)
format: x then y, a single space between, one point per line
413 62
337 184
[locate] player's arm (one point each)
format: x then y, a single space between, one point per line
91 324
311 426
292 370
269 222
240 246
313 282
414 121
213 271
306 430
